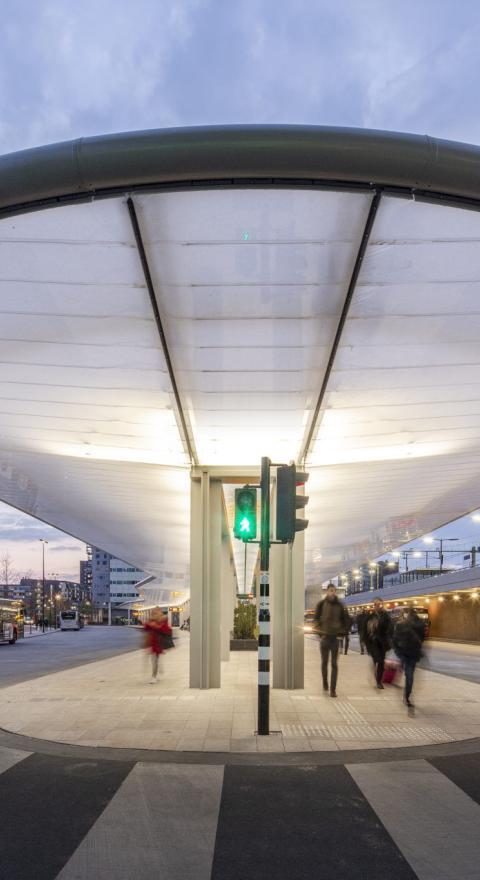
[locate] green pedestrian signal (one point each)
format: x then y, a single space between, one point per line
245 527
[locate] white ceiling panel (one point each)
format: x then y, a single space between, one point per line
250 284
397 439
77 329
134 510
261 279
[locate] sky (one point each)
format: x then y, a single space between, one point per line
79 69
20 537
458 537
72 69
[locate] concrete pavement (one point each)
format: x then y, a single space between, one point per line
111 703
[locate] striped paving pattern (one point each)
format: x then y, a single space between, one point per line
364 731
89 819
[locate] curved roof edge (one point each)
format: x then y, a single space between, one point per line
290 152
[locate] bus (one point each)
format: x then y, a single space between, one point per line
71 620
11 620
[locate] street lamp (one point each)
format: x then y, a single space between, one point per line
429 540
43 542
373 571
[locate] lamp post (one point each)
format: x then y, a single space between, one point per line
429 540
43 542
405 554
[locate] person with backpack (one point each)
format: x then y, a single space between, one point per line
408 637
377 635
330 622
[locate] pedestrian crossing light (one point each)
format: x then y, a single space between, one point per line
288 502
245 527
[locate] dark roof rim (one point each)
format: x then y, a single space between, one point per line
203 154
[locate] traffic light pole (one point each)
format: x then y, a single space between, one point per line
264 609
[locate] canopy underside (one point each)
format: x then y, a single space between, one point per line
250 284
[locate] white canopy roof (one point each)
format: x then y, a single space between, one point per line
298 322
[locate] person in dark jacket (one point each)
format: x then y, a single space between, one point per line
345 640
408 636
377 635
331 621
361 620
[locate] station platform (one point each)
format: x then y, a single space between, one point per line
111 703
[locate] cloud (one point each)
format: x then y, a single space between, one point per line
65 548
94 68
20 528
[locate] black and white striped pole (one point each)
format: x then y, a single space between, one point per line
264 609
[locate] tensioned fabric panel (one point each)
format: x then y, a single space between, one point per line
86 405
398 434
250 285
82 371
137 512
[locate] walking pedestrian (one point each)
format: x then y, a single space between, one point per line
331 621
408 637
157 631
377 635
345 640
361 621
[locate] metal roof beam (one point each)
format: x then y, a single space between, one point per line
153 300
209 153
342 320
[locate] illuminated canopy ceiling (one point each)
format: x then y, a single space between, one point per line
214 295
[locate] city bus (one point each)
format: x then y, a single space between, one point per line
71 620
11 620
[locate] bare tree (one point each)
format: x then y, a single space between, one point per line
8 575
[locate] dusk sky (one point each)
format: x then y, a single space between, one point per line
69 70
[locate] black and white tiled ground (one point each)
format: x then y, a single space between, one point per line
75 817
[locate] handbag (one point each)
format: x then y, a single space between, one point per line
167 641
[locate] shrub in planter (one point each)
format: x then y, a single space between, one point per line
244 629
244 622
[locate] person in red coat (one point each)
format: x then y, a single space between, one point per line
155 630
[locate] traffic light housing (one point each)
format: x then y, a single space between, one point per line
288 502
245 527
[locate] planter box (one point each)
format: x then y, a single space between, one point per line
243 644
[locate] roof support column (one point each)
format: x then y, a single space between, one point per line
287 595
228 597
205 579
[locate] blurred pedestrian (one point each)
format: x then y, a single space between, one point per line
331 621
361 621
345 640
378 638
408 637
157 633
